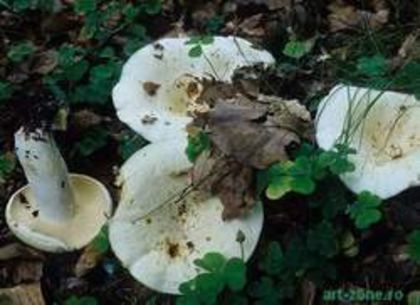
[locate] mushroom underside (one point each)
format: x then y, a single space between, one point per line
93 207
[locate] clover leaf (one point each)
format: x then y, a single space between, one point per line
196 145
322 239
221 273
365 211
414 246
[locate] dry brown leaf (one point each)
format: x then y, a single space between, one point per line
257 136
89 259
86 118
207 169
20 264
28 294
253 26
344 16
248 131
308 293
235 191
45 62
230 180
271 4
409 50
27 271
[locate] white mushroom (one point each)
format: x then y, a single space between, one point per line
383 127
55 212
162 226
160 81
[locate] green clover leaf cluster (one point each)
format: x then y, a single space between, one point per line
365 211
220 274
301 175
197 43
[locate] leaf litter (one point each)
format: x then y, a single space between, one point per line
248 131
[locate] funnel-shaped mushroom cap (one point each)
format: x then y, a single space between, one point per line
160 80
161 226
92 208
383 127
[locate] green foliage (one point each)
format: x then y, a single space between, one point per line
215 24
18 52
101 78
413 298
7 166
6 91
197 144
74 300
322 239
266 291
414 246
297 49
84 6
408 78
332 201
129 145
272 262
151 7
365 211
92 141
197 43
374 66
101 241
220 274
301 175
20 6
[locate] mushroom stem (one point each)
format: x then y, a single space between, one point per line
47 174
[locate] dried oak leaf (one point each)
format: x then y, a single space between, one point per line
235 191
271 4
257 136
344 16
231 181
19 264
89 259
28 294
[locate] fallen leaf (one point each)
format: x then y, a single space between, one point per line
247 131
235 191
45 62
308 293
408 51
27 294
89 259
257 136
93 253
20 264
230 180
86 118
27 271
271 4
253 26
344 16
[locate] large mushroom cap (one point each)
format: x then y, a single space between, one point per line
161 227
160 80
383 127
92 208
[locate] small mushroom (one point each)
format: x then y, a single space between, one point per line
383 127
56 211
162 225
160 82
